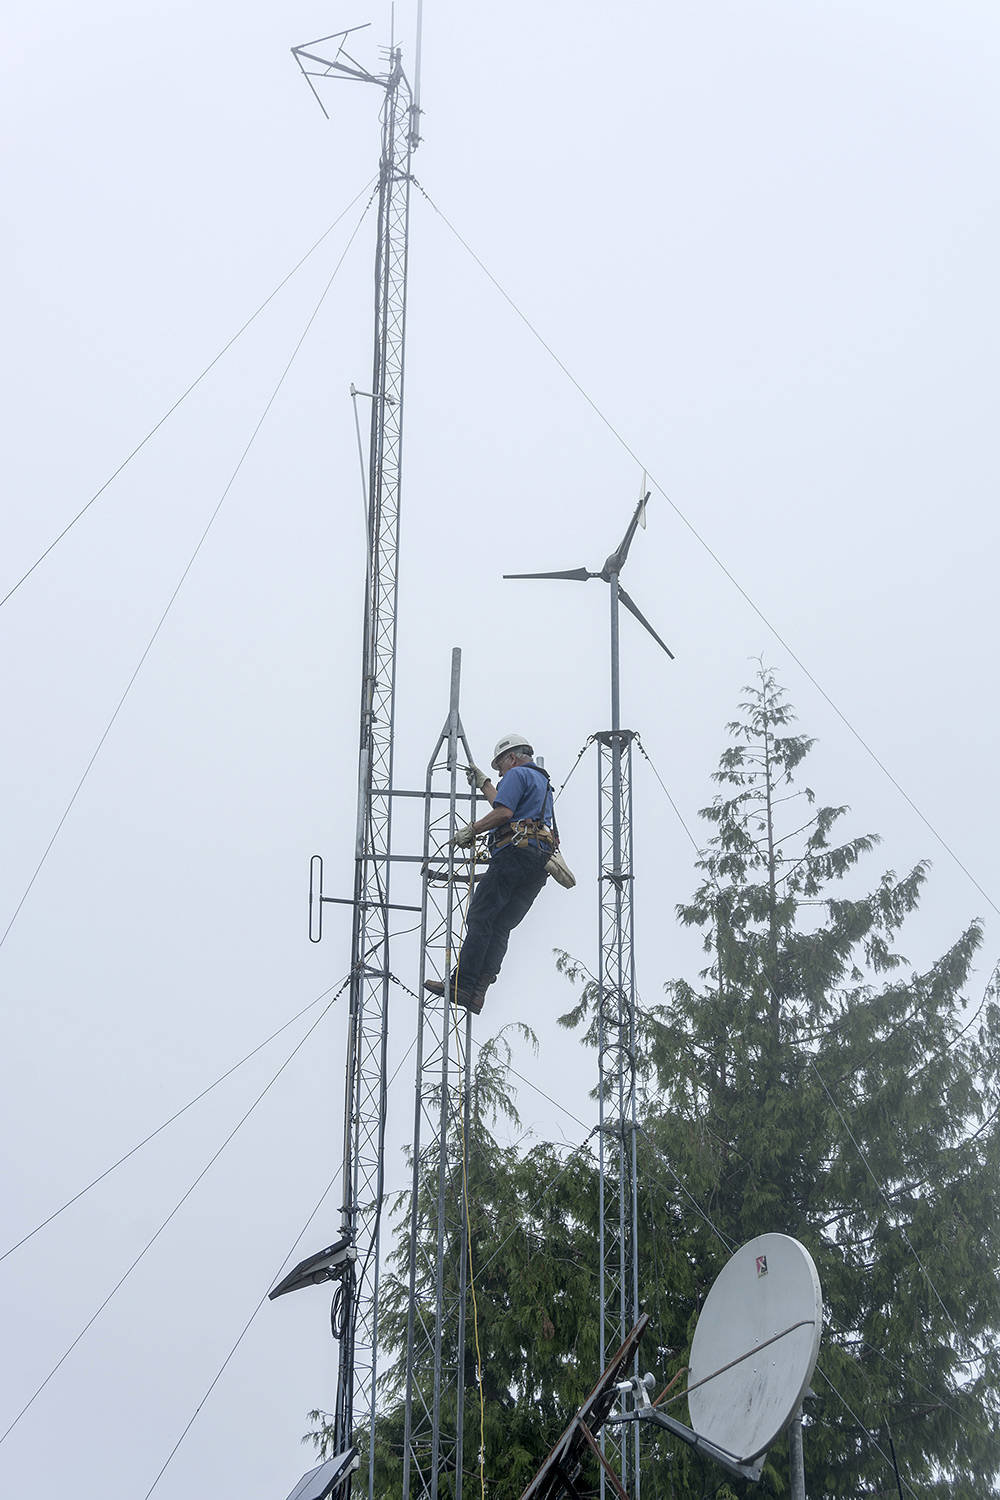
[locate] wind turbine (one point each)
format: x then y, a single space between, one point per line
611 574
618 1203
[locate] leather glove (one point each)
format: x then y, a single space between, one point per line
464 837
476 777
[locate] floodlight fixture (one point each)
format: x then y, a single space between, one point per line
330 1264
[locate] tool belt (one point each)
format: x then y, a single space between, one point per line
526 828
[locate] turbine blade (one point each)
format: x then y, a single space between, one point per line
579 575
635 610
616 561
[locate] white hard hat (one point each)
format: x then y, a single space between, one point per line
510 742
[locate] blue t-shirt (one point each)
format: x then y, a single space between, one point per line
526 791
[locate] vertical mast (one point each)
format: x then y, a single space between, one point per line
356 1263
364 1104
616 1031
433 1433
618 1273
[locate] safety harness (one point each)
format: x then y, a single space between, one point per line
516 832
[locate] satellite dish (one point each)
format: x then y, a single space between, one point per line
755 1346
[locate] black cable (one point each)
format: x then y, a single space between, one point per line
712 554
243 1332
180 585
857 1420
177 1206
154 1133
183 397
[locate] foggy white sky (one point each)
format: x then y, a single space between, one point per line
764 240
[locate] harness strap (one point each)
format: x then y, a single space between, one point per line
531 828
525 828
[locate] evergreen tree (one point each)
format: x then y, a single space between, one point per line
813 1083
531 1321
810 1081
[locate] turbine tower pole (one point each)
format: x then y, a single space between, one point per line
618 1202
618 1207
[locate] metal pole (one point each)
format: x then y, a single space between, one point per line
616 718
796 1459
618 1282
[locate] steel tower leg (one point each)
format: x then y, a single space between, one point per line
364 1106
619 1287
435 1332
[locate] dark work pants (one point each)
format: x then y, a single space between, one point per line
501 899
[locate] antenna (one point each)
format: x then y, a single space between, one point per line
752 1356
353 1261
618 1193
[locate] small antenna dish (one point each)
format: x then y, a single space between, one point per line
755 1346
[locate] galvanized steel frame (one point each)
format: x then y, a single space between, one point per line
616 1044
364 1105
435 1332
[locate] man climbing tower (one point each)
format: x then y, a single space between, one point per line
523 838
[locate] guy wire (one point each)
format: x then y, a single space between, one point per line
184 395
702 542
219 1373
154 1133
190 564
177 1206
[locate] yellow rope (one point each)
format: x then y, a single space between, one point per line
465 1199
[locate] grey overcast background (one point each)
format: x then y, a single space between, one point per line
764 240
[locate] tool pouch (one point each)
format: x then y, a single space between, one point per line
560 872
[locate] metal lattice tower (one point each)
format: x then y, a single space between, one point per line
364 1111
357 1308
618 1209
616 998
435 1332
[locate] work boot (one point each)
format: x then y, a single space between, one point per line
473 1000
479 995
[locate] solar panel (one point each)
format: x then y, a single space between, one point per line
320 1482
